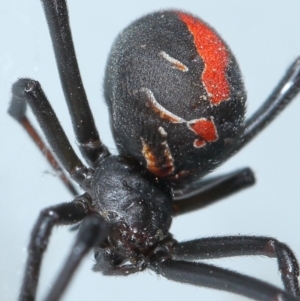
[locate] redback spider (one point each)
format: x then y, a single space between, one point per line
156 107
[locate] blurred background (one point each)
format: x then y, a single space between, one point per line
264 35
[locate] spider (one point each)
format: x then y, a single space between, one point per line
130 199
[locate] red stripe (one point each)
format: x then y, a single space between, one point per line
215 56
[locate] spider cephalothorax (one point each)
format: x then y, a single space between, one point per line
135 203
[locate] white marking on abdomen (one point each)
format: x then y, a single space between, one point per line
162 132
156 107
176 63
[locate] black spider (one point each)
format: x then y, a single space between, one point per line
176 102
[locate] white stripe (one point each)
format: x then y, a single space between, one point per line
176 63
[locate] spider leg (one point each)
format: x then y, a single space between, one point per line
17 110
92 232
84 127
210 276
63 214
30 91
286 90
228 246
207 192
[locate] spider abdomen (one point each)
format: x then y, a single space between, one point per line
175 94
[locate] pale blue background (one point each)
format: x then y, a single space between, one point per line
264 35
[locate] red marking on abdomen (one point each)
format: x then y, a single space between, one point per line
205 129
215 56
